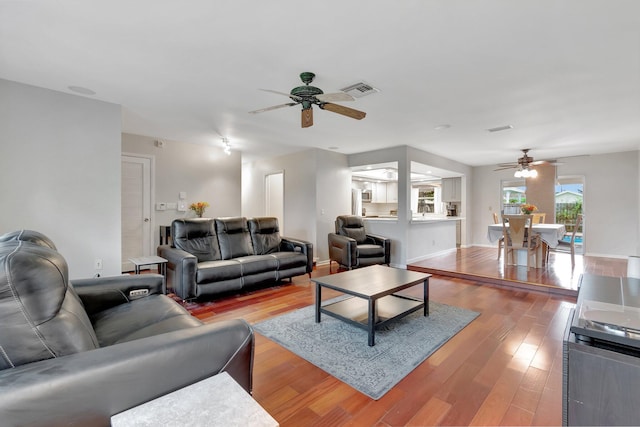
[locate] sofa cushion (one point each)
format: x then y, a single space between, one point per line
368 251
145 317
216 271
265 235
196 236
351 226
42 316
287 260
30 236
233 236
255 264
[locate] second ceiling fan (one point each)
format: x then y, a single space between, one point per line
308 95
524 165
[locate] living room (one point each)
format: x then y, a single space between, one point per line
61 165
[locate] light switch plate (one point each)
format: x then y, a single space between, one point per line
172 205
183 195
182 206
161 206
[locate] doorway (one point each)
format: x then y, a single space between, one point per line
569 199
136 209
274 198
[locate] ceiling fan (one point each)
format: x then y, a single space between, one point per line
524 165
308 95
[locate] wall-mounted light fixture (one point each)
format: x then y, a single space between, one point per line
227 146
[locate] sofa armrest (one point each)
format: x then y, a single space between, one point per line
385 242
343 250
181 271
100 293
292 245
88 388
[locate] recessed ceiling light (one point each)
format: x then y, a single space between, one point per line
82 90
500 128
442 127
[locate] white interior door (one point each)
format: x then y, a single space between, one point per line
274 198
136 209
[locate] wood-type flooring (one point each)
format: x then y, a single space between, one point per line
505 368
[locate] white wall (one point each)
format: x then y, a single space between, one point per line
60 173
333 196
205 173
611 201
299 191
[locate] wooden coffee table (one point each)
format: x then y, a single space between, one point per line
373 301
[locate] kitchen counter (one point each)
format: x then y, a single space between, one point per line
435 218
381 217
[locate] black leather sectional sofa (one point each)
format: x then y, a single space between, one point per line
210 256
76 354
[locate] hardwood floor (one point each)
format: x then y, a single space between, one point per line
557 277
505 368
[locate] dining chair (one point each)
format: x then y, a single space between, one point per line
538 218
571 244
518 235
496 220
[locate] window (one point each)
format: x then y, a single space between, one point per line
514 194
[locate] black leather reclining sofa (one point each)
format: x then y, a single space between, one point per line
76 354
210 256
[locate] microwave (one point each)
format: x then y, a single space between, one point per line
366 195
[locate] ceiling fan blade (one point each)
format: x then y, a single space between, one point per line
505 168
345 111
335 97
507 165
297 98
546 162
275 107
307 117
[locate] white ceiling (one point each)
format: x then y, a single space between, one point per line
564 74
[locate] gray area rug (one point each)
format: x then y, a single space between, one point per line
341 349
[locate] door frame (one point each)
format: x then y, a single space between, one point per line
152 192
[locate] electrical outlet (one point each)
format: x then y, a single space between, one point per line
98 264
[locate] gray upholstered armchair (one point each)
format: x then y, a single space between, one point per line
78 354
351 246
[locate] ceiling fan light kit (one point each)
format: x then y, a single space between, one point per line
526 173
308 95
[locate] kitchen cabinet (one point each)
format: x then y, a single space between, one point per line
451 189
392 192
378 192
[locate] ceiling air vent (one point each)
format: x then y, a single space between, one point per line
360 89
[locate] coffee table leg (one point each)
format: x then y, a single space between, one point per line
318 299
425 296
372 322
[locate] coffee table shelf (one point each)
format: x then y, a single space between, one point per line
356 310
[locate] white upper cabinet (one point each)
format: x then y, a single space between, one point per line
451 189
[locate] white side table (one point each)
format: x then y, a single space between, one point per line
150 260
214 401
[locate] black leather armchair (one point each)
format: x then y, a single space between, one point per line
351 246
78 354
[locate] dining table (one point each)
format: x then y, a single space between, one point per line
550 234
